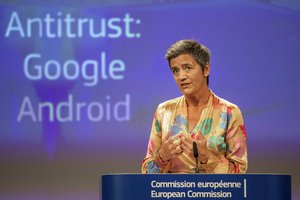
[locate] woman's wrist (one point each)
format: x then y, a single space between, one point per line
162 157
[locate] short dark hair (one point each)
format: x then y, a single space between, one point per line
200 53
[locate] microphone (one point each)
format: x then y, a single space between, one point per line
195 150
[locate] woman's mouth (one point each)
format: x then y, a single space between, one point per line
184 85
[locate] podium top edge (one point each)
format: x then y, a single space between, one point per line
191 174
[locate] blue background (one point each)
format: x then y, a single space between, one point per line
255 60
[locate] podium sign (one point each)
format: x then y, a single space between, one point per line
196 186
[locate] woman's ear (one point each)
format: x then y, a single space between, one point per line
206 69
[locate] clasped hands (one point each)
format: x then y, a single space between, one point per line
183 143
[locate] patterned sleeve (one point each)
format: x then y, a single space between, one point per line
152 163
235 160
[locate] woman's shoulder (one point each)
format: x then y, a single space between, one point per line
222 103
171 103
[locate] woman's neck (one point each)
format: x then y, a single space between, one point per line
199 100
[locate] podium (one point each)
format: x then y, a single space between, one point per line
196 186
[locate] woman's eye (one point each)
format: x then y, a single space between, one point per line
175 71
187 68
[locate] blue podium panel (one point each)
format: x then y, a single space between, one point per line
196 186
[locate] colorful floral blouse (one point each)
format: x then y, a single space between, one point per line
221 123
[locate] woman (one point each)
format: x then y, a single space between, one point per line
214 124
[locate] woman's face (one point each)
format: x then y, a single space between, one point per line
188 75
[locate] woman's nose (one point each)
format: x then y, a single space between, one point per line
182 75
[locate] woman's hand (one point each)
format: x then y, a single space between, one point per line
171 148
187 147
